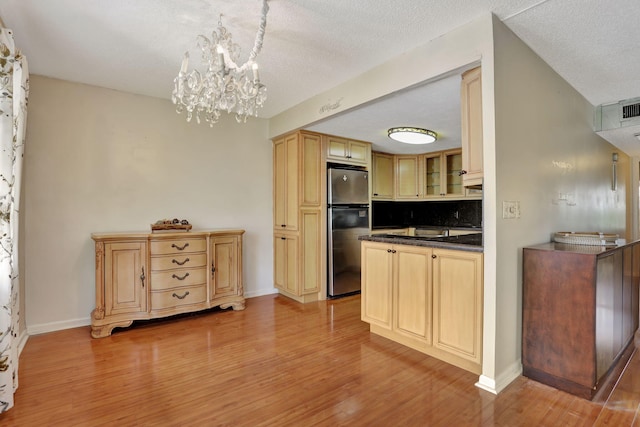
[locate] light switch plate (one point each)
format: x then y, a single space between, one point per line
510 209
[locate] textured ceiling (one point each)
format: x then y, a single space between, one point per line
313 45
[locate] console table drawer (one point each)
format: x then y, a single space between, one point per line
178 278
178 261
178 246
176 297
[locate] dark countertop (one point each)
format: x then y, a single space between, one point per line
466 242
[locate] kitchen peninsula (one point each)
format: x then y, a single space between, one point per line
426 293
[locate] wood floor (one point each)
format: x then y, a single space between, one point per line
277 363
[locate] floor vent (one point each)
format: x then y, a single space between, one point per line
629 111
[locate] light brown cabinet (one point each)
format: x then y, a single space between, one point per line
141 276
472 140
407 177
426 298
299 186
383 178
125 268
442 177
457 303
346 151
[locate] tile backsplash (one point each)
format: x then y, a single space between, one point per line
448 213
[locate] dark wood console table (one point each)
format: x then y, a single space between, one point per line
579 313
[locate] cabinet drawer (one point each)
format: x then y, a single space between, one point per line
176 297
178 261
178 246
177 278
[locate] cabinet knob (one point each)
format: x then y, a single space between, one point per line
393 251
283 225
434 256
462 172
283 238
375 194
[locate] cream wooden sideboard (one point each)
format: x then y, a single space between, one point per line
142 276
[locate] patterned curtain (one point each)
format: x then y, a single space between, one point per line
14 90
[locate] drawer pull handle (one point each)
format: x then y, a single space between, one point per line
180 263
213 269
180 297
173 245
180 278
142 277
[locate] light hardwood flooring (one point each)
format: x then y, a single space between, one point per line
277 363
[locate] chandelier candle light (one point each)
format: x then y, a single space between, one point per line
224 86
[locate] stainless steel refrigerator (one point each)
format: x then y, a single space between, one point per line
348 203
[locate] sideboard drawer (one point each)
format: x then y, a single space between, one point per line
176 297
178 246
178 278
176 261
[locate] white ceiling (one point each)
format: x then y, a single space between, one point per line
313 45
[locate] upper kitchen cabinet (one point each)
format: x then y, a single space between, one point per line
342 150
442 177
382 173
471 102
297 174
407 177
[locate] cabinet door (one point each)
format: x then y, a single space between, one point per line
453 179
125 278
358 152
472 143
377 280
457 303
311 173
310 250
412 292
286 263
433 175
407 186
224 266
337 148
285 183
382 184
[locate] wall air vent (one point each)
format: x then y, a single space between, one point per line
629 111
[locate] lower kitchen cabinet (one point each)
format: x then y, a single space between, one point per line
425 298
457 303
141 276
579 314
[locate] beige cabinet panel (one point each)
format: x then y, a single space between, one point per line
377 282
178 262
161 280
285 183
172 298
412 292
178 246
457 303
126 274
472 139
311 251
382 176
226 268
441 174
286 263
407 177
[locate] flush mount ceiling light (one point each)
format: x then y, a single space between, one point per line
224 85
412 135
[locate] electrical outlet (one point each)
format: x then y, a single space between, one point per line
510 209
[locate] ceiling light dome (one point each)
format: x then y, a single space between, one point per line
412 135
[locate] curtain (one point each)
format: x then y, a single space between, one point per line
14 90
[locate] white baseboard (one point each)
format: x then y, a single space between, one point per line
22 341
57 326
75 323
502 381
260 293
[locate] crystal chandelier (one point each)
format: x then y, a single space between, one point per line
224 85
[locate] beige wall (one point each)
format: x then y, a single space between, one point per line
545 146
102 160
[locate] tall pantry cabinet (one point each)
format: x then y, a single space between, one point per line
299 186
